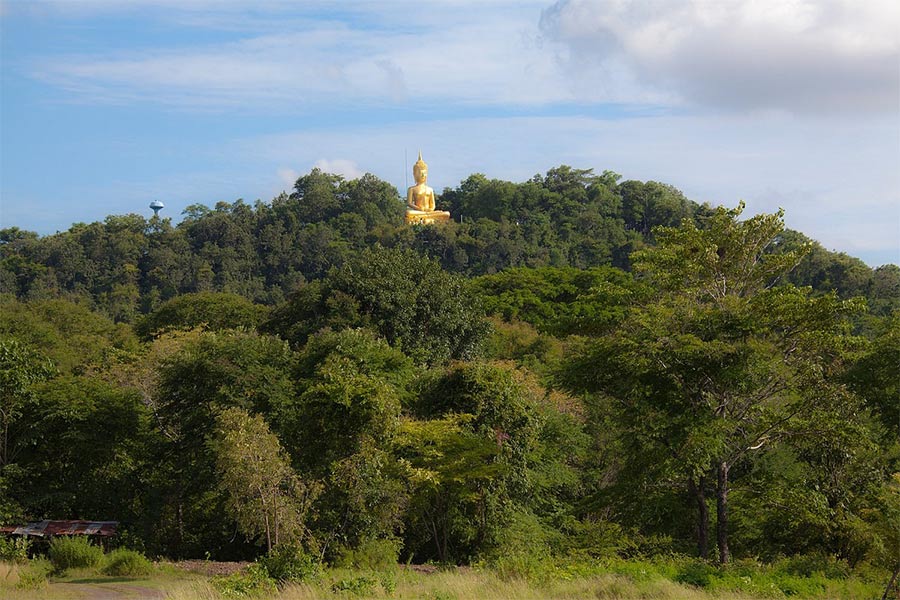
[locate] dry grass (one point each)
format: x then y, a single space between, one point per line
479 585
9 574
451 585
406 584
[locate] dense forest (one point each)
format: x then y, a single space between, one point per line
575 366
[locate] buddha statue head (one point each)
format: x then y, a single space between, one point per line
420 170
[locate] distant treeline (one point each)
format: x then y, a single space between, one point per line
128 265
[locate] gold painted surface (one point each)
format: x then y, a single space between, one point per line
420 198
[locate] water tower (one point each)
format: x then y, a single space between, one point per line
157 206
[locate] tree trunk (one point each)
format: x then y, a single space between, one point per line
699 493
890 584
5 438
275 515
265 511
180 525
722 512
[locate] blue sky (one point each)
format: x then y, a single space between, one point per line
106 105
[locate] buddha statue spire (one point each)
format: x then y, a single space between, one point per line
420 198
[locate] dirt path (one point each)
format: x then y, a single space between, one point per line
107 591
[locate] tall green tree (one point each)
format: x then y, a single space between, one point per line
20 368
265 496
408 299
210 310
340 428
204 376
723 361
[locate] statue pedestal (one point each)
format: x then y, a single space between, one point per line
425 217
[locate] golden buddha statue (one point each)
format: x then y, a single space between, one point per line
420 198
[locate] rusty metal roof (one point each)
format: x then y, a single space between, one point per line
50 528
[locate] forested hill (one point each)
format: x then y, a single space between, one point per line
128 265
500 390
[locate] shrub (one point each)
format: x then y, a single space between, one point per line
355 585
14 550
375 555
74 553
639 570
535 567
34 575
806 565
810 587
252 581
126 563
291 563
696 573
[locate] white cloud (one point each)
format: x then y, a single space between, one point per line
489 56
288 177
347 168
796 55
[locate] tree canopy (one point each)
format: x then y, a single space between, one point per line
575 368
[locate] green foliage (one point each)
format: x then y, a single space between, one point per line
470 459
75 552
706 363
409 300
227 369
85 449
451 471
14 550
252 582
593 538
264 495
720 363
728 257
350 385
128 265
533 565
71 335
522 343
20 368
291 563
34 575
212 311
807 565
126 563
362 585
696 573
371 554
560 301
874 375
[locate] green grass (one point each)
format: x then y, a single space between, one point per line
662 579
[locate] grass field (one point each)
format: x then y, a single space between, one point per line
619 580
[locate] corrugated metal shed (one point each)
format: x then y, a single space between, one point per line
51 528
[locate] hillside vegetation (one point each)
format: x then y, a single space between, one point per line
577 375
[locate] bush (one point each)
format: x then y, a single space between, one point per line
74 553
252 581
34 575
355 585
375 555
806 565
535 567
696 573
291 563
126 563
14 550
